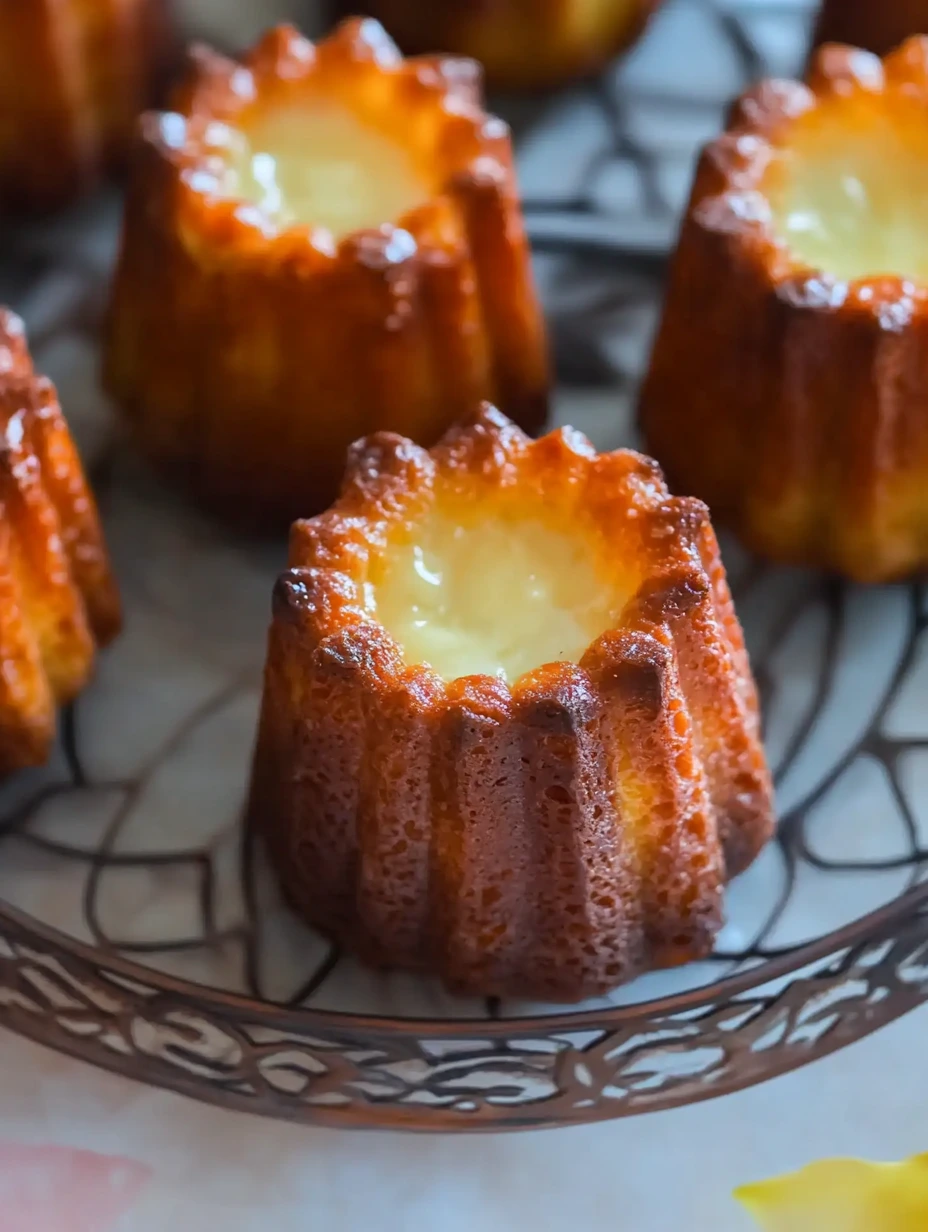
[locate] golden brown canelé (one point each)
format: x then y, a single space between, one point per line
58 601
321 241
74 75
554 803
788 382
522 44
877 27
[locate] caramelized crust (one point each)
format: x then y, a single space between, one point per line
74 76
58 601
791 400
879 27
249 357
548 838
522 44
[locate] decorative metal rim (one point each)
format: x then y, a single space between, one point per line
282 1017
93 1001
533 1115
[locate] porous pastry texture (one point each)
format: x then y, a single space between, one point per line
58 601
248 356
550 837
792 400
877 27
74 75
522 44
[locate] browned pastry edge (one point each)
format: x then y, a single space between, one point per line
58 600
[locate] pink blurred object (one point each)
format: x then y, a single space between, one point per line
63 1189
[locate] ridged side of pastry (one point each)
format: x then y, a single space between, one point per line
58 601
551 837
74 75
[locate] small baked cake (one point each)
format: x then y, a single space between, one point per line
788 386
522 44
876 25
74 75
509 731
58 601
321 241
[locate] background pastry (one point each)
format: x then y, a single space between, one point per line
320 241
788 383
520 43
74 76
877 26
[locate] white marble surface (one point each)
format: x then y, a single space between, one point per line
186 1166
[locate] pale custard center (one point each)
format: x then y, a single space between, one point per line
319 165
496 597
850 197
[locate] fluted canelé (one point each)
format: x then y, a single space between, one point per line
788 383
545 832
250 345
58 601
74 75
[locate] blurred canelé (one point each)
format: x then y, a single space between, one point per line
320 241
509 733
522 44
58 600
788 383
876 25
74 75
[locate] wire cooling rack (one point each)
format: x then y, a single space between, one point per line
139 930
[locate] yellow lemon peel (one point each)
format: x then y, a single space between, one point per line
843 1195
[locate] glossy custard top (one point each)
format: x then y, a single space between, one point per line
318 164
849 190
495 595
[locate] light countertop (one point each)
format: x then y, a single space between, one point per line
122 1158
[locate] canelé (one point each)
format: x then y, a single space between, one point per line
74 75
788 382
509 732
320 241
58 601
522 44
875 25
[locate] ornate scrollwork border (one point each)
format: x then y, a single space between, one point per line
346 1070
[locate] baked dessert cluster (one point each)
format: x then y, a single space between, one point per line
788 383
320 241
74 75
875 26
58 601
509 731
522 44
